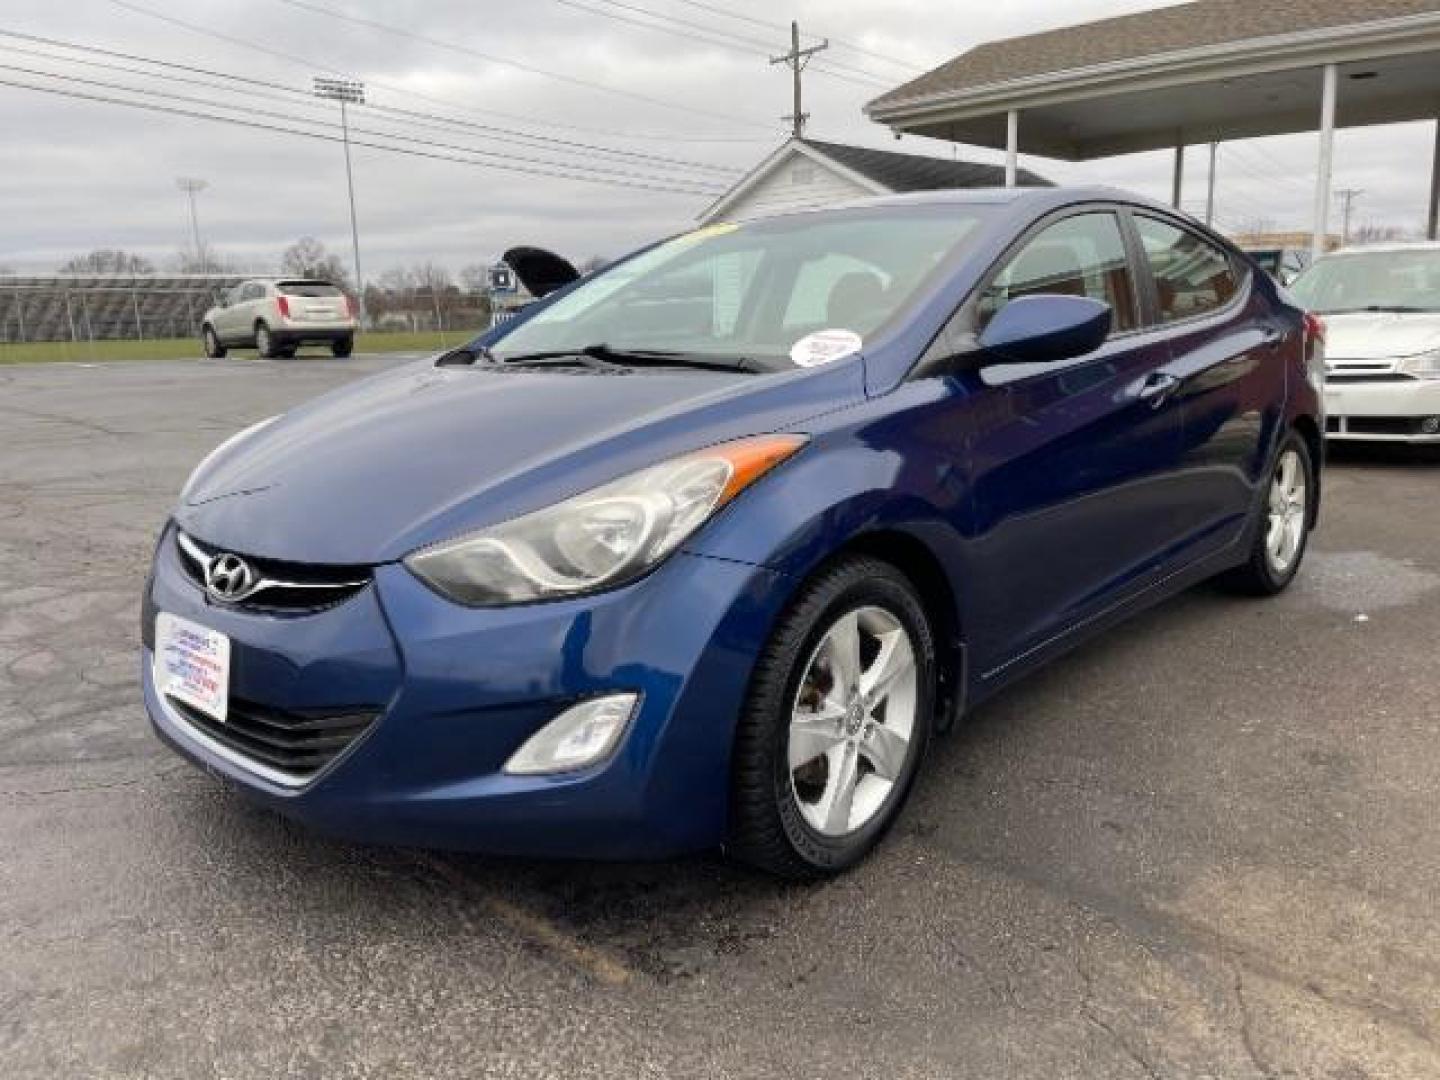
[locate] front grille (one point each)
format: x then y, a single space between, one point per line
281 587
1381 425
298 744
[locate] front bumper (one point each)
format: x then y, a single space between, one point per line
1403 410
458 690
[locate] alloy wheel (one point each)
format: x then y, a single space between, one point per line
1288 506
852 721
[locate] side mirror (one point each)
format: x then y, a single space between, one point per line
1037 329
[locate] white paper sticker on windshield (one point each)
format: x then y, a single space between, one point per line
823 346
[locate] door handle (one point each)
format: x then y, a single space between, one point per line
1156 388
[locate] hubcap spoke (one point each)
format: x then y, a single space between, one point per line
834 805
815 734
892 663
843 648
886 750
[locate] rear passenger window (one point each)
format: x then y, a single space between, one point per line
1083 255
1192 276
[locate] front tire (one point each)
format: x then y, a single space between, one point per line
1283 530
836 723
213 349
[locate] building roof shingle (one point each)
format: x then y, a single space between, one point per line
1147 33
918 172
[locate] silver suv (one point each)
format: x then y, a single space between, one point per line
278 316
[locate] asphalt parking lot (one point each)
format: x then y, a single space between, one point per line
1203 846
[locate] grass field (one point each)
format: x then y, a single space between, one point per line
41 352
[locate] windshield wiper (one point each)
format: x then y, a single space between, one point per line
609 355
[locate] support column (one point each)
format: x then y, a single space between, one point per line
1210 188
1432 227
1179 174
1012 147
1329 82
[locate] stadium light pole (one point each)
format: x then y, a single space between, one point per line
192 186
347 92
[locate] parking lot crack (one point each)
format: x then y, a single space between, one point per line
1247 1034
1087 1011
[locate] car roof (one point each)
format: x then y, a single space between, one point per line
1037 199
1393 246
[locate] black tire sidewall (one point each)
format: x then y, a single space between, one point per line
869 584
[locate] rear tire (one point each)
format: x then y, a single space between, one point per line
265 342
833 733
1282 529
211 341
342 347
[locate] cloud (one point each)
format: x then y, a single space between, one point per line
81 174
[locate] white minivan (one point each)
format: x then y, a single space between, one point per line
1381 307
277 316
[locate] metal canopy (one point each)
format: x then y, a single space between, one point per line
1184 75
1084 122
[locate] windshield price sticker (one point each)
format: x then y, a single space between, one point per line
823 347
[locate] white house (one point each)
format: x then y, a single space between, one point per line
808 172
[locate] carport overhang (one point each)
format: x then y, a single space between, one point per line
1342 76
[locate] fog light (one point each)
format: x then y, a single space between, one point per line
1430 425
581 735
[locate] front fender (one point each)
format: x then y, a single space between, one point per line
843 488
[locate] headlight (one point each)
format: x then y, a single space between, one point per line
602 538
1424 366
226 445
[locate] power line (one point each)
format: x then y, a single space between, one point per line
309 64
487 160
519 65
500 134
751 46
917 68
677 183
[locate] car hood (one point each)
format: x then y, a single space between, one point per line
1380 335
370 472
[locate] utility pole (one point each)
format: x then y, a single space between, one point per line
347 91
796 60
1347 197
192 186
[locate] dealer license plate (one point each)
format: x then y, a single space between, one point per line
192 664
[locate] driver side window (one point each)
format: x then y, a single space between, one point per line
1083 255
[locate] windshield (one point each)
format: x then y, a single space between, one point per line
1374 281
758 290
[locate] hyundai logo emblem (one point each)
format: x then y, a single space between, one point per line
229 577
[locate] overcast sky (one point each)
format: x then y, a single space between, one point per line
79 174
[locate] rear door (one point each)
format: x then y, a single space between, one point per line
1227 348
229 321
1072 463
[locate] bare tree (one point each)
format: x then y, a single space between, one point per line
108 261
206 261
475 278
1372 232
309 258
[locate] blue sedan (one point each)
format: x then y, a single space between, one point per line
702 550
